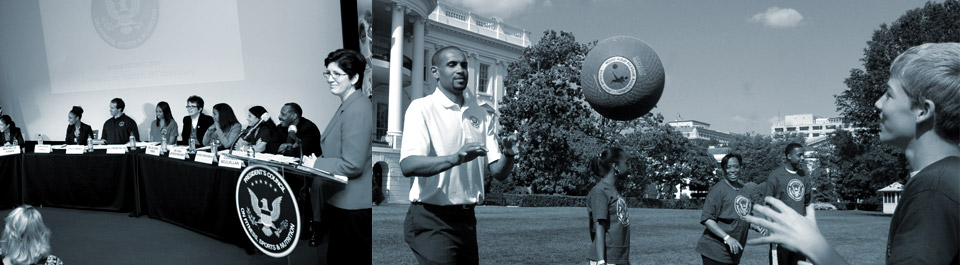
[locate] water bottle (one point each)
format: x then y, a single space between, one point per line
250 151
133 142
163 140
193 144
216 144
89 144
39 139
15 142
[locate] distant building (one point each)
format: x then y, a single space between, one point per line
814 128
891 197
692 129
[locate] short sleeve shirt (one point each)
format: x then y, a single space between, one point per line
604 203
727 207
925 228
436 126
790 188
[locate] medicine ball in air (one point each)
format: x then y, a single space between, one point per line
622 78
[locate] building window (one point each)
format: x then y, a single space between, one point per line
818 127
816 135
805 128
484 77
778 129
381 121
791 129
831 127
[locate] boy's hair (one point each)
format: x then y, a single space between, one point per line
790 147
932 72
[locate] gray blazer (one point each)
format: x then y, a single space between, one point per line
346 144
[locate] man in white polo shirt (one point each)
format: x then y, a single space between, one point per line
448 147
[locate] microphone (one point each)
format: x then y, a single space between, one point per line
293 130
264 116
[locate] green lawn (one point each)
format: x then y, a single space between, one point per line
558 235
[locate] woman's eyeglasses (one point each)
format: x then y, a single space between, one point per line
334 74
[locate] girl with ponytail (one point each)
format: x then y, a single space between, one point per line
607 209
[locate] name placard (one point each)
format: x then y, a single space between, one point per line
153 150
116 149
42 149
178 153
10 150
230 162
204 157
75 149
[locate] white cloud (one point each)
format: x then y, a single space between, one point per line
739 118
500 9
776 17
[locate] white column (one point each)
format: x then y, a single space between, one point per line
417 82
431 81
395 115
498 89
472 69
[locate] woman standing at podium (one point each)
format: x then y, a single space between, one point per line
346 145
77 132
9 133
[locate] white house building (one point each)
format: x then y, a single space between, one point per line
406 33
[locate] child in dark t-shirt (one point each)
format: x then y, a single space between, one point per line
607 210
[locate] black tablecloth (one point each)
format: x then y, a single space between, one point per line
89 181
10 181
198 196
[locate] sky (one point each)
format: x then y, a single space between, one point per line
736 65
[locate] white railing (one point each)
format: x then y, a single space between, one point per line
453 16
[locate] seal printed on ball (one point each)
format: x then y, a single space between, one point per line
622 78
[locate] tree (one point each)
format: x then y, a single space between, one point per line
935 22
545 104
662 156
761 154
861 164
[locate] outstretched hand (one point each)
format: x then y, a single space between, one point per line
510 144
786 227
793 231
470 151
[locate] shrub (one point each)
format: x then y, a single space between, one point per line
541 200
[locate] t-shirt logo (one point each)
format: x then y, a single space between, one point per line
622 213
475 122
742 204
121 124
795 189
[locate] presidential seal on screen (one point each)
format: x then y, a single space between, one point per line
125 24
268 211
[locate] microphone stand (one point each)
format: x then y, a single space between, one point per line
244 135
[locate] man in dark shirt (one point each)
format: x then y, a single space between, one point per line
196 123
790 185
119 127
919 113
307 132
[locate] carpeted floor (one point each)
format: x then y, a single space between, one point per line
96 237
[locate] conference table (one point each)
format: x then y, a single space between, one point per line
194 195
